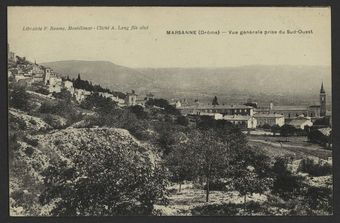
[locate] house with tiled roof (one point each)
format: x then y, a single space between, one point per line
301 122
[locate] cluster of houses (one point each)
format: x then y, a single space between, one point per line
251 117
26 73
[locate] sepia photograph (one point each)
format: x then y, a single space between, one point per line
169 111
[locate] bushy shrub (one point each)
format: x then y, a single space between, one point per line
32 121
19 98
315 136
32 142
57 142
29 151
21 124
162 103
320 198
63 94
54 121
139 131
63 109
266 126
43 91
139 111
47 107
314 168
182 120
286 184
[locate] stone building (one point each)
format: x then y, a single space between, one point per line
68 85
270 119
244 122
131 98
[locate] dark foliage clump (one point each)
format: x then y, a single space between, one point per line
315 169
29 151
19 98
164 104
286 184
32 142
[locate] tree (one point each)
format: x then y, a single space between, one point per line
166 138
285 183
287 130
182 120
315 136
42 90
320 198
104 181
139 111
266 126
19 98
181 164
324 121
247 182
63 94
101 104
215 102
162 103
275 129
210 155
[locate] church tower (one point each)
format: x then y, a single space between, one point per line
322 101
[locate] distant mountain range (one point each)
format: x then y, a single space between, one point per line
195 82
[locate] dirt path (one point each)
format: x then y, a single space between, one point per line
299 150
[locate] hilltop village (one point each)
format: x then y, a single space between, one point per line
48 82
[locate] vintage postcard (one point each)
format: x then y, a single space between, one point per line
170 111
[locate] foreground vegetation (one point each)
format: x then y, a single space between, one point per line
96 158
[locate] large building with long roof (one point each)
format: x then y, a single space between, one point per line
222 109
293 111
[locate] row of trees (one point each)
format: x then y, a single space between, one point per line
88 86
164 104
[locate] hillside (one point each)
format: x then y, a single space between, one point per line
243 81
105 73
38 152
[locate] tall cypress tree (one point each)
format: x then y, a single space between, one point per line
215 102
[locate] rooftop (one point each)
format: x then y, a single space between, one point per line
325 131
216 107
268 116
290 108
236 117
298 121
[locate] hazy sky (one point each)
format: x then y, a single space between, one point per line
154 48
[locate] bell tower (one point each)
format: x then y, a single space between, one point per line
322 101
